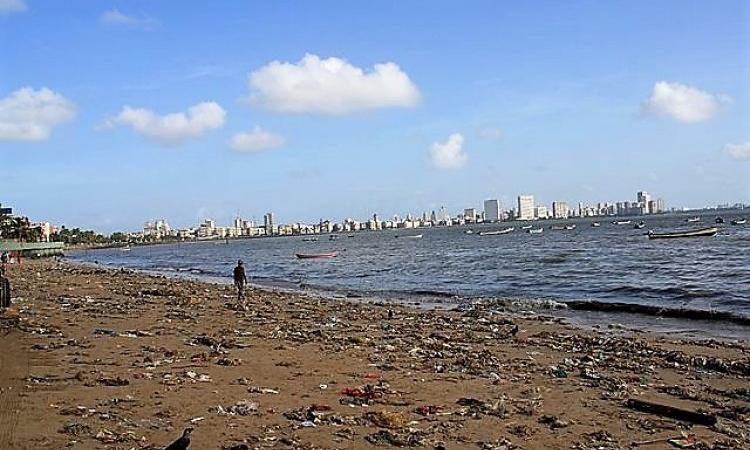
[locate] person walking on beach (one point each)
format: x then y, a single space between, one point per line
240 281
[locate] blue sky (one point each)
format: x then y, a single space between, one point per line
399 107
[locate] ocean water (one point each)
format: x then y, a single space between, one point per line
610 265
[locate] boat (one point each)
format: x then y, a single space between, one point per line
719 220
742 221
535 230
639 225
693 219
563 227
527 227
697 232
595 224
309 239
496 232
332 237
621 222
315 255
411 236
125 249
469 231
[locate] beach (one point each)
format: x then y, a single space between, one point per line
95 358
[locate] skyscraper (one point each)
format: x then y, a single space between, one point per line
268 222
491 210
644 198
525 207
560 210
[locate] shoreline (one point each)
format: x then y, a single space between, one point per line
120 359
586 313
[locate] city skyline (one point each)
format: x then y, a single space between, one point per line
179 112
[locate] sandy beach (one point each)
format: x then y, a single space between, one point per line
95 359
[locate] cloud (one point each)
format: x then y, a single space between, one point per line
12 6
490 133
683 103
171 129
449 154
115 17
330 86
255 141
738 151
30 115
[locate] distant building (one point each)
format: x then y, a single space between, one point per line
157 229
269 223
525 207
644 199
541 212
660 206
560 210
492 211
470 214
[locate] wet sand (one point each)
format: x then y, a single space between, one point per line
95 359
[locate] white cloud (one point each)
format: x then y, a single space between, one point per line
171 129
490 133
738 151
12 6
683 103
30 115
449 154
115 17
330 86
256 141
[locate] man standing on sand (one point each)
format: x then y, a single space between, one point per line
240 281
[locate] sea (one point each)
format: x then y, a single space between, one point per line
609 276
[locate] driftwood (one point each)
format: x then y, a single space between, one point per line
672 412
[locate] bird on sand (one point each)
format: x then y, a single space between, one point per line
182 442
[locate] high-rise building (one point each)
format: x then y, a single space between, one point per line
541 212
470 214
644 198
660 206
560 210
491 211
268 223
525 207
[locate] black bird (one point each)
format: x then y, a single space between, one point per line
183 442
514 330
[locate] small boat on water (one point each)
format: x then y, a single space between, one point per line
332 237
469 231
621 222
595 224
315 255
535 230
411 236
640 225
563 227
496 232
719 220
693 219
697 232
741 221
125 249
527 227
309 239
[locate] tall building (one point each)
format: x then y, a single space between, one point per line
660 206
560 210
525 207
491 211
470 214
268 222
541 212
644 198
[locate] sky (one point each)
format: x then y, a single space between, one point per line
114 113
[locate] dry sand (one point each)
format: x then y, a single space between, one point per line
114 359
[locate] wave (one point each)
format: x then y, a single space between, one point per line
670 292
651 310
